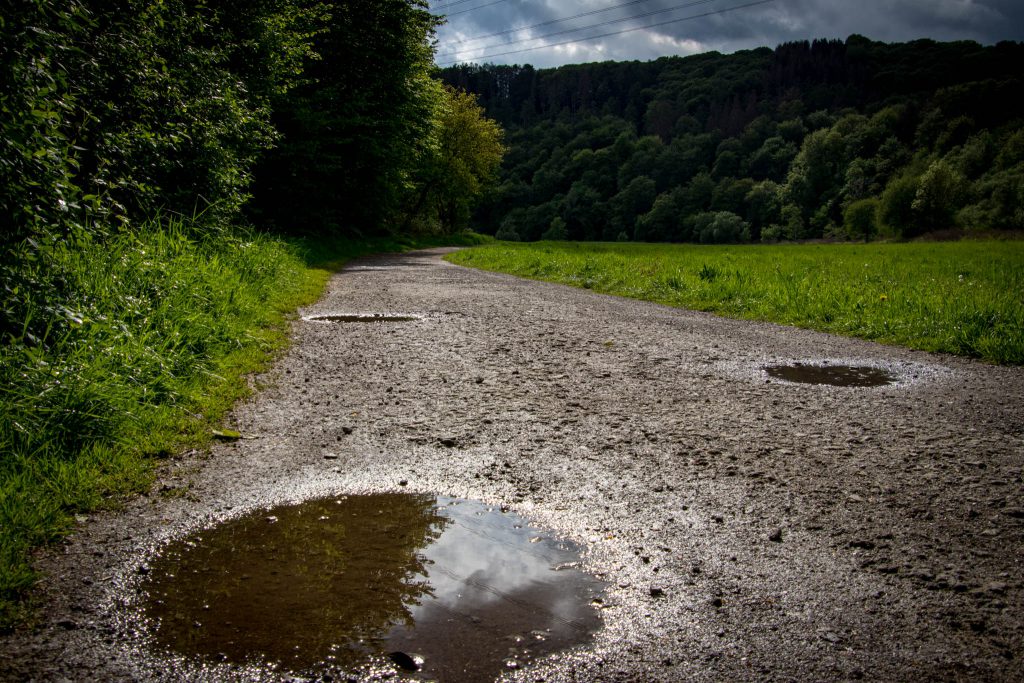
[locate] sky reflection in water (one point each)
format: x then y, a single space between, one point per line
328 583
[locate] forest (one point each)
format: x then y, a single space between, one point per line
826 139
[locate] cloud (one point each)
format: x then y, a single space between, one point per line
527 31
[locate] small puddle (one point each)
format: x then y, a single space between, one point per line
453 588
363 318
834 375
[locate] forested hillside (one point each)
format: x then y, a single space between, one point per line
811 139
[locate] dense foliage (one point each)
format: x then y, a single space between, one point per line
761 144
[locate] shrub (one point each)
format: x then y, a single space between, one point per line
860 218
895 211
557 230
940 194
720 227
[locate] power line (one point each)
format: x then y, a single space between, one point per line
613 33
446 5
470 9
546 23
609 22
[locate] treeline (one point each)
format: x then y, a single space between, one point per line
812 139
113 111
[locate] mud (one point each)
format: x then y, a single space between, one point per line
749 528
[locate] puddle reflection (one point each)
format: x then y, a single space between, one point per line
329 583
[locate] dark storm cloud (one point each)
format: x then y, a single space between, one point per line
986 21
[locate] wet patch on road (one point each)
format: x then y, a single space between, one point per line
832 375
361 318
441 587
839 372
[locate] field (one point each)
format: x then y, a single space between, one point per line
964 298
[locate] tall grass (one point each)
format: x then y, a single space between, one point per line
956 297
120 349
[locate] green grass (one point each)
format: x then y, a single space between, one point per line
964 298
122 350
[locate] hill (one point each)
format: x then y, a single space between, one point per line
812 139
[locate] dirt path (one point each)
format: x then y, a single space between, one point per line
653 436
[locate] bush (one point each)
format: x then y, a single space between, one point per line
507 233
860 220
940 194
557 231
895 211
720 227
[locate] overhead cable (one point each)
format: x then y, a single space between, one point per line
547 23
471 9
609 22
612 33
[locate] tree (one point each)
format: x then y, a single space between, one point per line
720 227
634 200
114 110
460 163
357 130
896 209
584 213
663 223
763 207
859 219
771 160
816 174
556 230
939 196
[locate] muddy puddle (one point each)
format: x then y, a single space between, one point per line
442 588
362 318
833 375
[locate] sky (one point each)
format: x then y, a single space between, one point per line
508 31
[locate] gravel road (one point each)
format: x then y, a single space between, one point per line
749 528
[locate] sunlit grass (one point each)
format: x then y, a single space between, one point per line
963 298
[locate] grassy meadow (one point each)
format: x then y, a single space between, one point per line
128 349
964 298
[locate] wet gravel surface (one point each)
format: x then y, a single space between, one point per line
750 528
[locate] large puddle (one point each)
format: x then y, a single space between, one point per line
834 375
455 589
